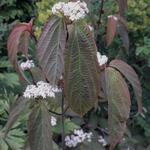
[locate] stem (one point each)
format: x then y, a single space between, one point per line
32 77
62 120
34 37
100 13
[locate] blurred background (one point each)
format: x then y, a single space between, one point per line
138 56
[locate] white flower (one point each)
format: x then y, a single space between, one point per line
78 137
53 121
58 7
91 28
89 136
72 10
102 141
114 17
27 65
41 89
102 59
30 91
61 77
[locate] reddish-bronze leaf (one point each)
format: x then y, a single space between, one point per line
39 127
129 73
111 29
37 74
18 42
102 95
50 49
123 21
118 105
81 70
122 29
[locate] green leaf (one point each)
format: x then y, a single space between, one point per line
15 111
81 70
93 145
69 127
90 146
50 49
3 145
14 139
118 105
129 73
14 144
40 136
9 79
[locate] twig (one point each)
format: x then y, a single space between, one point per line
59 114
100 14
99 21
53 112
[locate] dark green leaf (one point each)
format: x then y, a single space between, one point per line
56 147
69 127
14 139
128 72
40 136
118 105
18 108
50 49
3 145
81 70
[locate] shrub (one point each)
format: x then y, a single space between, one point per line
70 78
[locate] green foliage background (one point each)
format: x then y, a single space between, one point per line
138 18
11 12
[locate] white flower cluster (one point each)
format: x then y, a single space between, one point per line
41 89
102 59
78 137
72 10
53 121
114 17
27 65
102 141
